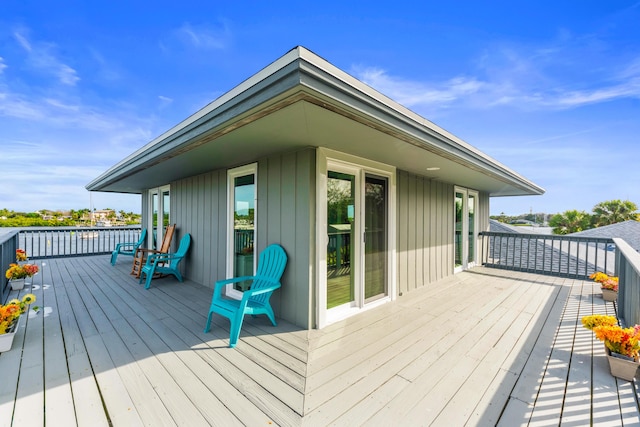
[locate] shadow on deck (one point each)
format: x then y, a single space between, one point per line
483 347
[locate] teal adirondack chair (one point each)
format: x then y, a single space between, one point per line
128 248
162 263
255 300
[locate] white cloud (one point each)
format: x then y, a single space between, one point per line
164 101
512 79
22 41
2 65
410 93
204 36
42 57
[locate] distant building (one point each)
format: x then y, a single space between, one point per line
101 215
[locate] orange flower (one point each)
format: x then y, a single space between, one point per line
611 283
10 312
16 271
599 276
21 255
591 322
624 341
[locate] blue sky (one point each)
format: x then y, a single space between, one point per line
550 89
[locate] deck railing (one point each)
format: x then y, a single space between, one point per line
54 242
8 246
74 241
566 256
628 272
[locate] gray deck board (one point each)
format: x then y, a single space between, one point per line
484 347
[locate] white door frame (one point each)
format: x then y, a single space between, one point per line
465 264
159 191
333 160
250 169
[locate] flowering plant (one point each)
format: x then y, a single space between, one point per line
17 271
611 283
591 322
10 312
625 341
21 255
599 277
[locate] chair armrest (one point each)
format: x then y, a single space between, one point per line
253 292
124 245
161 257
142 252
149 251
220 284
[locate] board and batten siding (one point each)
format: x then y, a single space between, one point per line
425 230
286 205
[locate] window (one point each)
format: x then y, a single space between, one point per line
241 228
465 228
159 214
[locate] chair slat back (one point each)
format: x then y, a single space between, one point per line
185 242
140 241
271 264
166 239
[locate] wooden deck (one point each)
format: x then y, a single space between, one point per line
485 347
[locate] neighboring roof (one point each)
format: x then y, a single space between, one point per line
501 227
627 230
301 100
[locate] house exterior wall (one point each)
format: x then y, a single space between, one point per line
286 203
425 230
286 185
425 210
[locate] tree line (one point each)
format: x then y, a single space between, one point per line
49 218
573 221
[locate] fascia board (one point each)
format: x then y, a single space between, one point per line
302 67
336 84
232 104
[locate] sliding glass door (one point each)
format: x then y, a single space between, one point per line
356 219
465 228
341 199
375 238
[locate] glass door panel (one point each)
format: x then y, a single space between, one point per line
243 228
154 221
458 230
375 238
340 228
472 230
165 209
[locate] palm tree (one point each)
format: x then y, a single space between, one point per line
613 211
570 222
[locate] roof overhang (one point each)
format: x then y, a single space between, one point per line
298 101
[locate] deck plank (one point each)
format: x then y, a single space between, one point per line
482 347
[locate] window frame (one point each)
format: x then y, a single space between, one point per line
250 169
